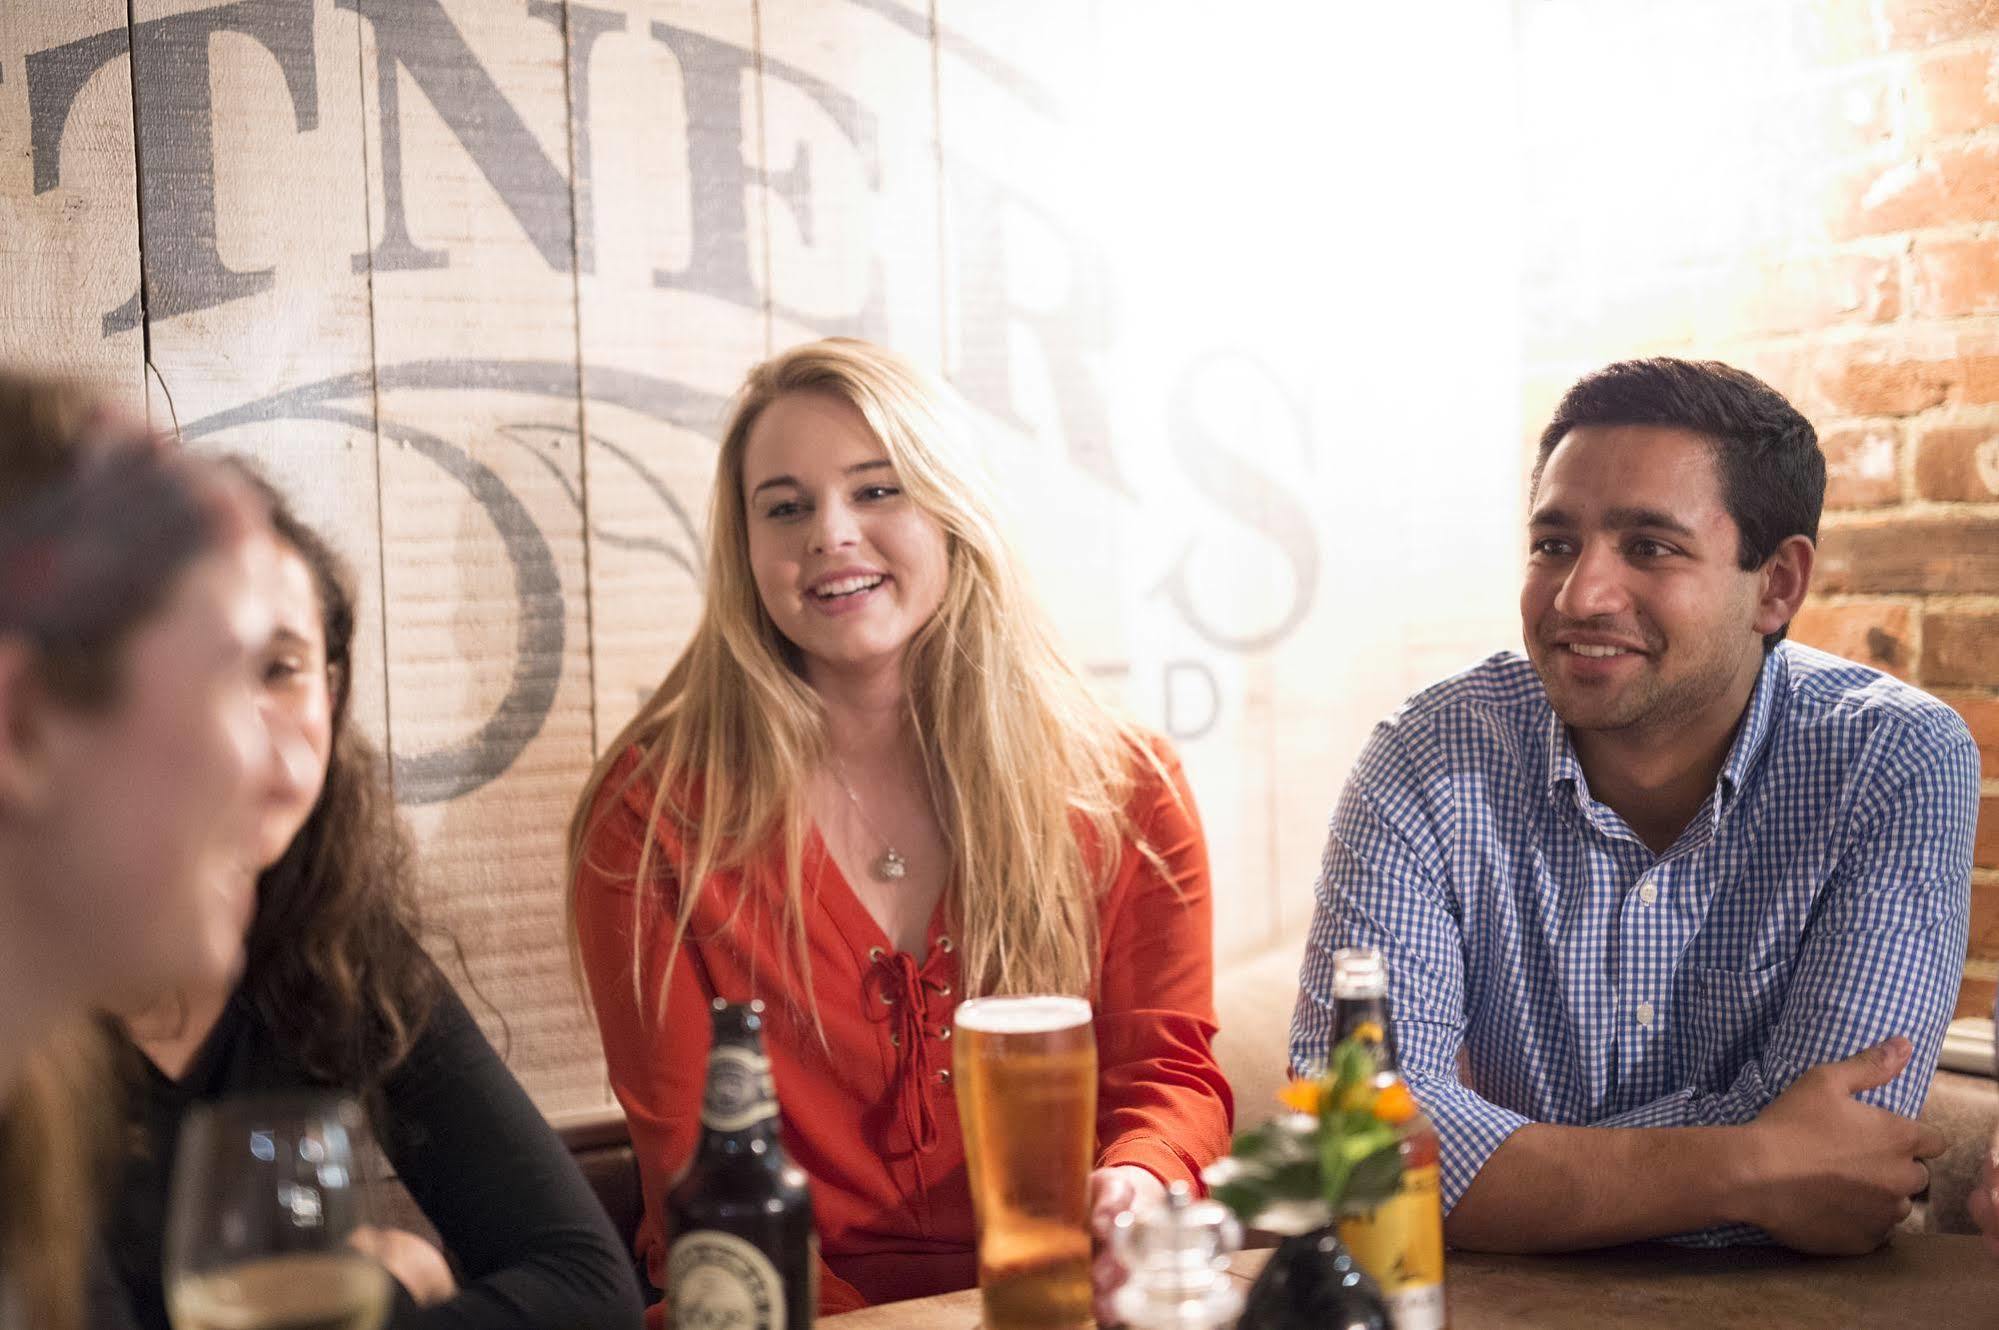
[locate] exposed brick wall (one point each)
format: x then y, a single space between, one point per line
1808 189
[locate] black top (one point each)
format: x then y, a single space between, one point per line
529 1243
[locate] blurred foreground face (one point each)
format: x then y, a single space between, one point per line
150 818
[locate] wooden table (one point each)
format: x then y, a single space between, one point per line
1923 1281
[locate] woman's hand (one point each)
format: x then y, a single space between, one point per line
1113 1191
417 1266
1985 1197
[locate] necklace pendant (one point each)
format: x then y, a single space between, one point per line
891 867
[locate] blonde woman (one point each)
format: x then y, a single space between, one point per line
871 787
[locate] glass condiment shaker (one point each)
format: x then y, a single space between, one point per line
1177 1254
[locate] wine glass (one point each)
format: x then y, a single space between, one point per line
264 1202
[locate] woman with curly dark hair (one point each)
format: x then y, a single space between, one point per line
336 992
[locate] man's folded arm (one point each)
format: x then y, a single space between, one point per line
1892 919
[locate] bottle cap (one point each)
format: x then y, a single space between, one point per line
1359 972
1177 1251
733 1020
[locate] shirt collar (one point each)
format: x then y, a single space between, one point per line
1563 768
1758 719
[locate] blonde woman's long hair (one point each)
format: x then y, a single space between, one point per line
1020 756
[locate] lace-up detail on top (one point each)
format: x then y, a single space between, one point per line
916 1001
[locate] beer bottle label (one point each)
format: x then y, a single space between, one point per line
740 1093
717 1281
1401 1244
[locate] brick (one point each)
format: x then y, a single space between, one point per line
1981 713
1949 279
1954 92
1801 295
1949 553
1985 848
1908 25
1984 914
1872 632
1860 114
1958 464
1865 379
1903 374
1961 648
1948 185
1975 995
1860 467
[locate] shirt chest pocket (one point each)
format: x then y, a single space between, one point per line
1728 1015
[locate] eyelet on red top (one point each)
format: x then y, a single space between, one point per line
944 944
876 953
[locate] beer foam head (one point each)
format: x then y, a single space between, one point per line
1040 1014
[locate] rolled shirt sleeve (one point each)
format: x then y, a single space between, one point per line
1383 884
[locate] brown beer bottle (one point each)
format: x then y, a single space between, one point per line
744 1253
1401 1241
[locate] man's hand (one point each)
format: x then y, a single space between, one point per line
416 1265
1112 1192
1985 1196
1830 1174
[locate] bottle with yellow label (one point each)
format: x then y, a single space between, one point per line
1401 1241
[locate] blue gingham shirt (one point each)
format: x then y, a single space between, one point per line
1817 903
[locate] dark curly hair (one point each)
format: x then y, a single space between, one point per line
332 962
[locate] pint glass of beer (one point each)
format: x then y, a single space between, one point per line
1025 1069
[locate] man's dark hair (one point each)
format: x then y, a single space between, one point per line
1767 454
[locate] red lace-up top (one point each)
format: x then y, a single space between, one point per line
869 1112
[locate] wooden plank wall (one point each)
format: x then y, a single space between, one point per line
474 280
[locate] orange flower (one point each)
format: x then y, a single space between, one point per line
1395 1105
1300 1096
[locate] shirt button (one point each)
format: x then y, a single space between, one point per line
1644 1014
1648 892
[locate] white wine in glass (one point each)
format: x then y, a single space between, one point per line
265 1200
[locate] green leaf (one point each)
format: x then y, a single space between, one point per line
1346 1158
1334 1164
1351 1064
1374 1179
1243 1197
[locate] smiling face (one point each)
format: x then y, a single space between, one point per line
846 565
1636 611
298 705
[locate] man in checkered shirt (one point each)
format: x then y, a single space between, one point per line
1674 910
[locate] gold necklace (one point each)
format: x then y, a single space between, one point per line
890 866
